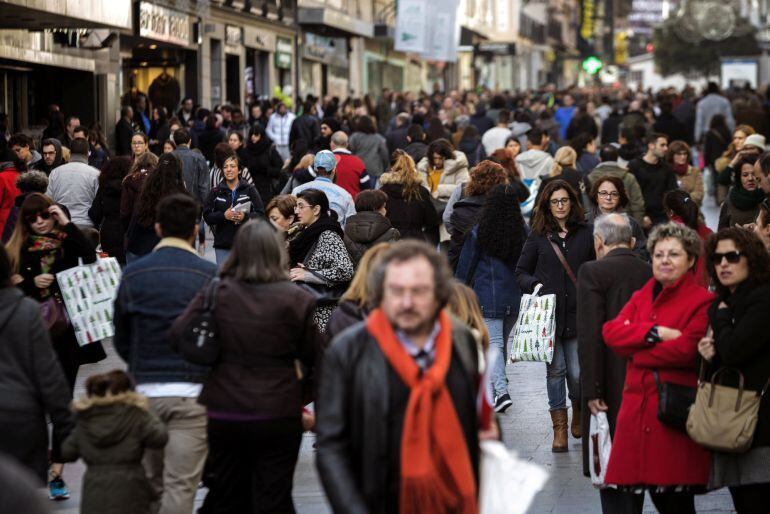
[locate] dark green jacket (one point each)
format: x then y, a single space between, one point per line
110 435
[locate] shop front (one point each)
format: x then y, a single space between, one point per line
383 67
160 60
325 66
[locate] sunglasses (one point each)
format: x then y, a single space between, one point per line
33 217
732 257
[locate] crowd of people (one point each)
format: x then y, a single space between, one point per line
370 258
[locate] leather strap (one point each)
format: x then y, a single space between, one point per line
564 262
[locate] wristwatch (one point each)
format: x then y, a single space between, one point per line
653 337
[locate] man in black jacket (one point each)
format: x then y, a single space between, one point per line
655 178
124 131
307 126
603 289
365 402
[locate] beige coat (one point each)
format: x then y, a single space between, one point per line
692 182
455 173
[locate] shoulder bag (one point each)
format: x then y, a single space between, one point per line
199 340
674 402
563 262
724 418
326 293
54 315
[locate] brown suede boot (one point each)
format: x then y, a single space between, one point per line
577 429
560 440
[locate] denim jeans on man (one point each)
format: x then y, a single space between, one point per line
565 364
499 331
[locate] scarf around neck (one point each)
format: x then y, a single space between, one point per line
47 248
745 200
300 246
680 169
436 470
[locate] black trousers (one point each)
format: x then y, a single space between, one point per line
751 499
250 468
621 502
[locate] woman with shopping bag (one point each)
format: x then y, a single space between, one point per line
739 267
45 242
658 332
560 242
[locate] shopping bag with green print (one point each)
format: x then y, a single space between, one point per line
532 338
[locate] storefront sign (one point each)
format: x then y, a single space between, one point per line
283 51
495 48
163 24
327 50
258 38
233 35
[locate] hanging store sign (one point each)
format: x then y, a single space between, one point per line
233 35
411 26
164 24
284 48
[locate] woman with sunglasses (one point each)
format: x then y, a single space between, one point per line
742 204
45 242
739 266
559 225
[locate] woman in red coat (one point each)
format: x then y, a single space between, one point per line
658 330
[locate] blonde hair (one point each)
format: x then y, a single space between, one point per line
465 306
565 157
358 291
405 171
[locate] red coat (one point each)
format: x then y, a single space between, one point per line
644 451
8 192
350 171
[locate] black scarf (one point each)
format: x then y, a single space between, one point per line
303 243
745 200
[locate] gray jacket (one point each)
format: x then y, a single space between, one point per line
74 185
195 172
373 150
32 382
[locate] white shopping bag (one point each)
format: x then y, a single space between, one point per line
533 336
599 446
89 291
508 484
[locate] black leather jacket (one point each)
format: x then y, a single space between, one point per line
354 413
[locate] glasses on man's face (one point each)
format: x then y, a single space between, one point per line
609 194
560 201
32 218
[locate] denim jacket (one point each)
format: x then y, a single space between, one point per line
153 292
493 281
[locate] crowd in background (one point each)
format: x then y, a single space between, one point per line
326 221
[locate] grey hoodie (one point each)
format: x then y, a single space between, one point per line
534 163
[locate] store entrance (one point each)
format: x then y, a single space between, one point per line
233 79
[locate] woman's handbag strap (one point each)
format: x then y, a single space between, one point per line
564 262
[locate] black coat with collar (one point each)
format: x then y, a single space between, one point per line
538 264
220 199
742 342
357 424
604 288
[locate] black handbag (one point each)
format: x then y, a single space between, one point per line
327 293
674 402
199 340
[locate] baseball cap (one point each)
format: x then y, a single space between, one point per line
326 160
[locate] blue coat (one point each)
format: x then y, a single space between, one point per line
493 281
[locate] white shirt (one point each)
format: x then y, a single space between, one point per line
494 138
169 389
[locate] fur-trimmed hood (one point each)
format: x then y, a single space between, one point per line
390 178
128 398
109 420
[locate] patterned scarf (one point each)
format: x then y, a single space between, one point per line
48 249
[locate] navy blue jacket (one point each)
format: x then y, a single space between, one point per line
493 281
153 292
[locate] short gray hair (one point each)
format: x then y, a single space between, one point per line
340 139
613 229
690 239
462 121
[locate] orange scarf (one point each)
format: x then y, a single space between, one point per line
436 470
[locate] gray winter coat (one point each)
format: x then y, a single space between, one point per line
372 149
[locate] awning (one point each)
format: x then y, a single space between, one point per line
330 22
83 14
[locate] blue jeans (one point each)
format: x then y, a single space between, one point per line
221 255
565 364
499 330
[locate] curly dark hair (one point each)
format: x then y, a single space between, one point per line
164 181
749 244
615 181
483 177
543 221
501 232
502 157
747 159
442 147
